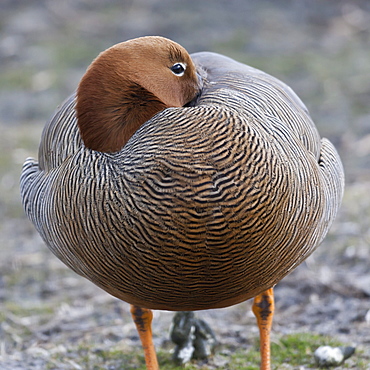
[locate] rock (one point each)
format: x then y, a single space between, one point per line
327 356
193 337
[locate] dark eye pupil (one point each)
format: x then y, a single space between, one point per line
177 68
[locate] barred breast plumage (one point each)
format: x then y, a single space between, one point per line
204 207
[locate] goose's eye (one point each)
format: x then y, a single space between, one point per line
178 69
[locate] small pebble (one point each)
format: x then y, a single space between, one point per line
327 356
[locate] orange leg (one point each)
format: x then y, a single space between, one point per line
263 308
143 321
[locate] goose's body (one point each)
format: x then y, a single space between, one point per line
205 206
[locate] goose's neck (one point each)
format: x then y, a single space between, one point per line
108 121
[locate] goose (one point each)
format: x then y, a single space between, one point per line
182 182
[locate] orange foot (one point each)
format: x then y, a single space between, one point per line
263 308
143 320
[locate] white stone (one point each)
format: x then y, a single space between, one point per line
328 356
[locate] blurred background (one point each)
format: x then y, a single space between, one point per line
51 318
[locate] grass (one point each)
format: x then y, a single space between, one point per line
297 349
289 352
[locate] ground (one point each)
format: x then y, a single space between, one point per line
50 318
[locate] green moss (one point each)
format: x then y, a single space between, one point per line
295 350
289 352
70 53
16 78
27 310
298 349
